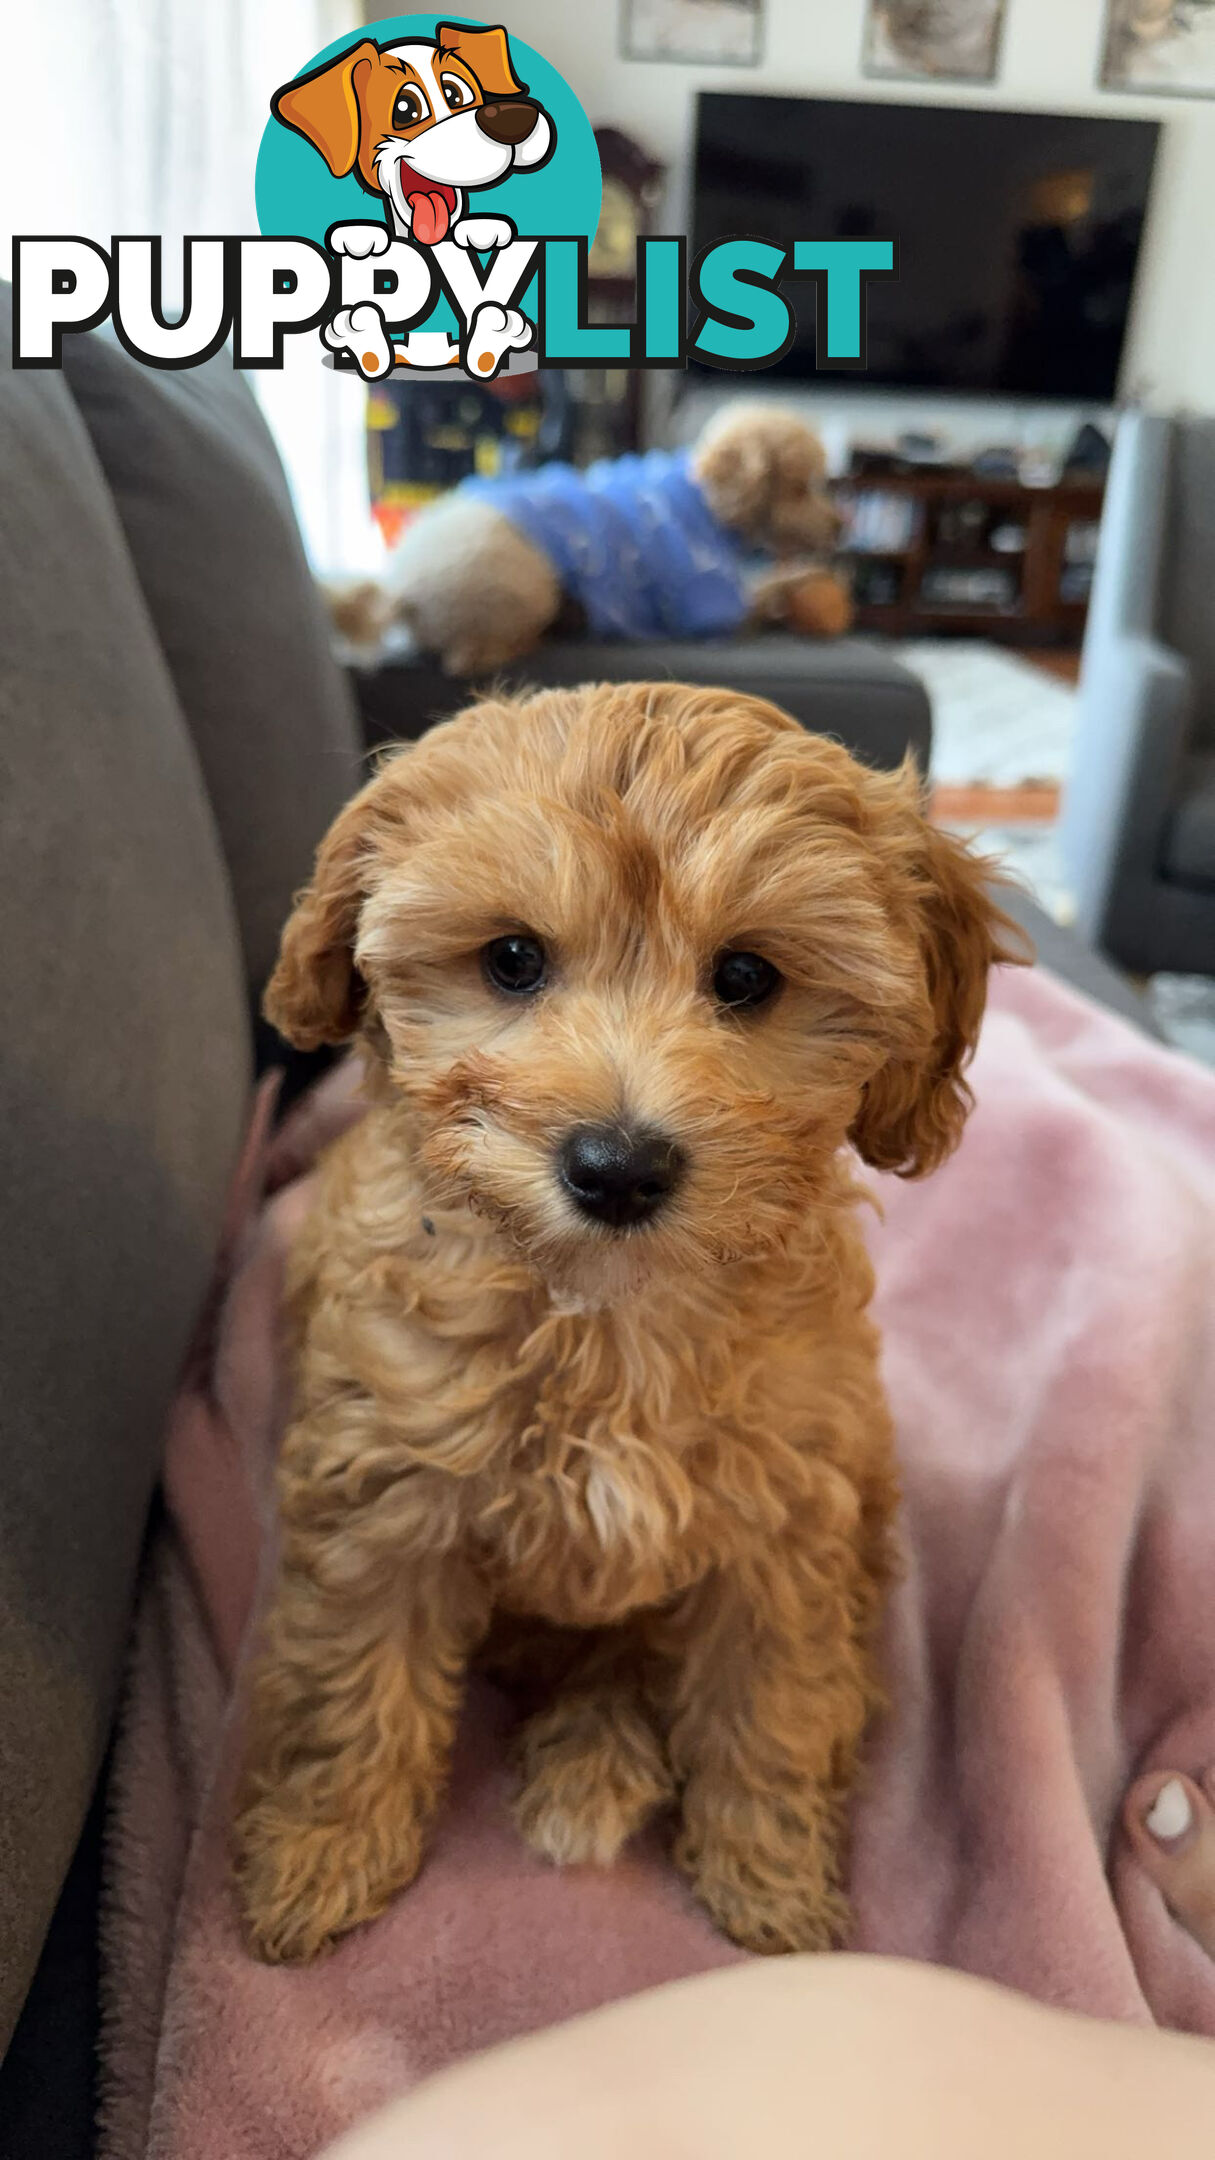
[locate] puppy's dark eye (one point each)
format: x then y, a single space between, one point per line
410 107
457 92
743 980
515 964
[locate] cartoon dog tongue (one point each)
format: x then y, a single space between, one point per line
430 211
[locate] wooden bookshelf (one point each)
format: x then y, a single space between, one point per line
1037 610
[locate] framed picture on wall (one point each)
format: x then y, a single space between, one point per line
728 33
934 40
1163 45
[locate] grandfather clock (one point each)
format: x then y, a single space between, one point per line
604 404
425 437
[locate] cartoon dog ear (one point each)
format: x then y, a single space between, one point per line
486 52
324 108
315 995
913 1110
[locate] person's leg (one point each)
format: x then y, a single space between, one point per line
836 2057
1170 1821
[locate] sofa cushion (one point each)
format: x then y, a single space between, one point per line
1187 618
208 519
846 687
1189 836
123 1091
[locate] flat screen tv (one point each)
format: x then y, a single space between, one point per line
1018 233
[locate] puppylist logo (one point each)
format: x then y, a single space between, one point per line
443 164
426 198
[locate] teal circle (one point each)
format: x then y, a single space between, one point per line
296 193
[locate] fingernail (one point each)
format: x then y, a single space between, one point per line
1170 1814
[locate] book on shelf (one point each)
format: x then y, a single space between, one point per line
877 521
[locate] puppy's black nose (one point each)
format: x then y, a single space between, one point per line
509 123
619 1177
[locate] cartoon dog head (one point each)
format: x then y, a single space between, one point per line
421 122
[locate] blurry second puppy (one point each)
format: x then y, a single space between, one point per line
688 544
584 1365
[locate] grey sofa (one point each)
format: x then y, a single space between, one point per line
174 736
1138 830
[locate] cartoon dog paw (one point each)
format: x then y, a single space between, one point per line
359 240
483 232
493 332
360 331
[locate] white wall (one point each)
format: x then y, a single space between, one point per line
165 141
1050 58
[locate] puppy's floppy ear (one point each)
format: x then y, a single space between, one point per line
486 52
763 472
733 474
913 1110
315 995
324 108
733 468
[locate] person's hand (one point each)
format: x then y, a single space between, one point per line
833 2058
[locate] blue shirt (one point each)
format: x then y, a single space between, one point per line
633 540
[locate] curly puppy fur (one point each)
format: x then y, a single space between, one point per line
650 1467
477 591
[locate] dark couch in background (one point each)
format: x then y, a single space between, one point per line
848 687
174 736
1138 830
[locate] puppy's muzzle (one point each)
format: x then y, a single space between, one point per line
618 1176
508 123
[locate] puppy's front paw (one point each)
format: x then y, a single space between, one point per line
362 333
493 333
762 1911
359 240
483 232
593 1773
300 1885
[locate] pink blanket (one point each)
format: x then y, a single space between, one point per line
1048 1305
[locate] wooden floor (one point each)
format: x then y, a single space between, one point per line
1066 665
1037 804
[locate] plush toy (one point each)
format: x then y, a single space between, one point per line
673 544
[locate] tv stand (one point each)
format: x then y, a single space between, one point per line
940 572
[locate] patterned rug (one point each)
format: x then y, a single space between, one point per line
998 720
